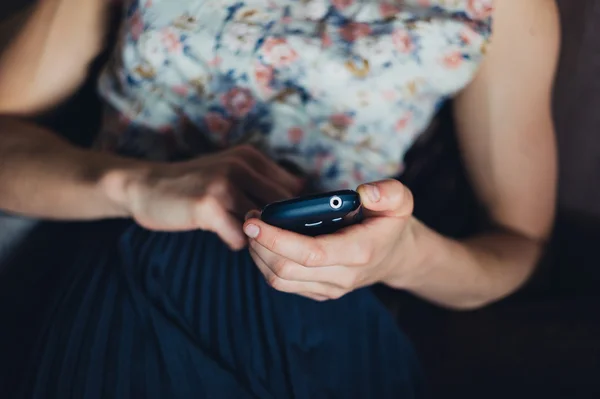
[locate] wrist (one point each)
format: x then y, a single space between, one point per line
118 179
420 250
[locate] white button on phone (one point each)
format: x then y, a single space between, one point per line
313 224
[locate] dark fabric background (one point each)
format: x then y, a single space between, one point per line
542 343
577 106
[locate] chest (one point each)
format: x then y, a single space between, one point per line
319 48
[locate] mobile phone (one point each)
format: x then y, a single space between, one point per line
315 215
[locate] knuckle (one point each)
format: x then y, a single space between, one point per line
276 282
364 255
219 185
283 268
231 164
230 168
247 149
335 294
350 282
273 242
315 256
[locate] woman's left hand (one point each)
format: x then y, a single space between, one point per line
330 266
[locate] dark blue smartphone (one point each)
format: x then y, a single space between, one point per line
315 215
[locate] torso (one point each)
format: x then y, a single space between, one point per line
340 88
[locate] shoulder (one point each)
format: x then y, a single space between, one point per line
524 47
11 22
531 21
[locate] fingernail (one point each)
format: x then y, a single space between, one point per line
252 230
372 192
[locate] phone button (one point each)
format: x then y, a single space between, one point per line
313 224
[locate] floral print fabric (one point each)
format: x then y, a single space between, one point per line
340 88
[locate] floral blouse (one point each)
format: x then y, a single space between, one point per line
340 88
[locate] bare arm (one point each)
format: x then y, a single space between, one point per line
42 175
47 51
49 54
507 139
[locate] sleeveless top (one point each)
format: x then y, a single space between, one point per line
340 88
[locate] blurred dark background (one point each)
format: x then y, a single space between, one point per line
543 342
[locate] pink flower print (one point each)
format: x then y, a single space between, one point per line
264 76
172 41
238 102
344 185
358 175
322 161
286 20
295 135
217 124
453 60
389 95
402 123
480 9
354 30
215 62
342 4
180 90
326 40
341 120
402 41
466 36
136 26
278 52
388 10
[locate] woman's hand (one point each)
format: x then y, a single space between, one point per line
329 266
210 193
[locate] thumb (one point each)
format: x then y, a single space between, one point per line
386 198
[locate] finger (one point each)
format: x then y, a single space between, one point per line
230 197
314 297
237 203
337 276
351 246
309 289
257 186
211 216
266 167
386 198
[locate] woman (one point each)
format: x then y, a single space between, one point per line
215 97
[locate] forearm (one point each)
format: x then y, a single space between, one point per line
470 273
43 176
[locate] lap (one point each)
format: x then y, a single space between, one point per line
179 315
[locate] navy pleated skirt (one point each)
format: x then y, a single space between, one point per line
161 315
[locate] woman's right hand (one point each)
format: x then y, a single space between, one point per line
211 193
